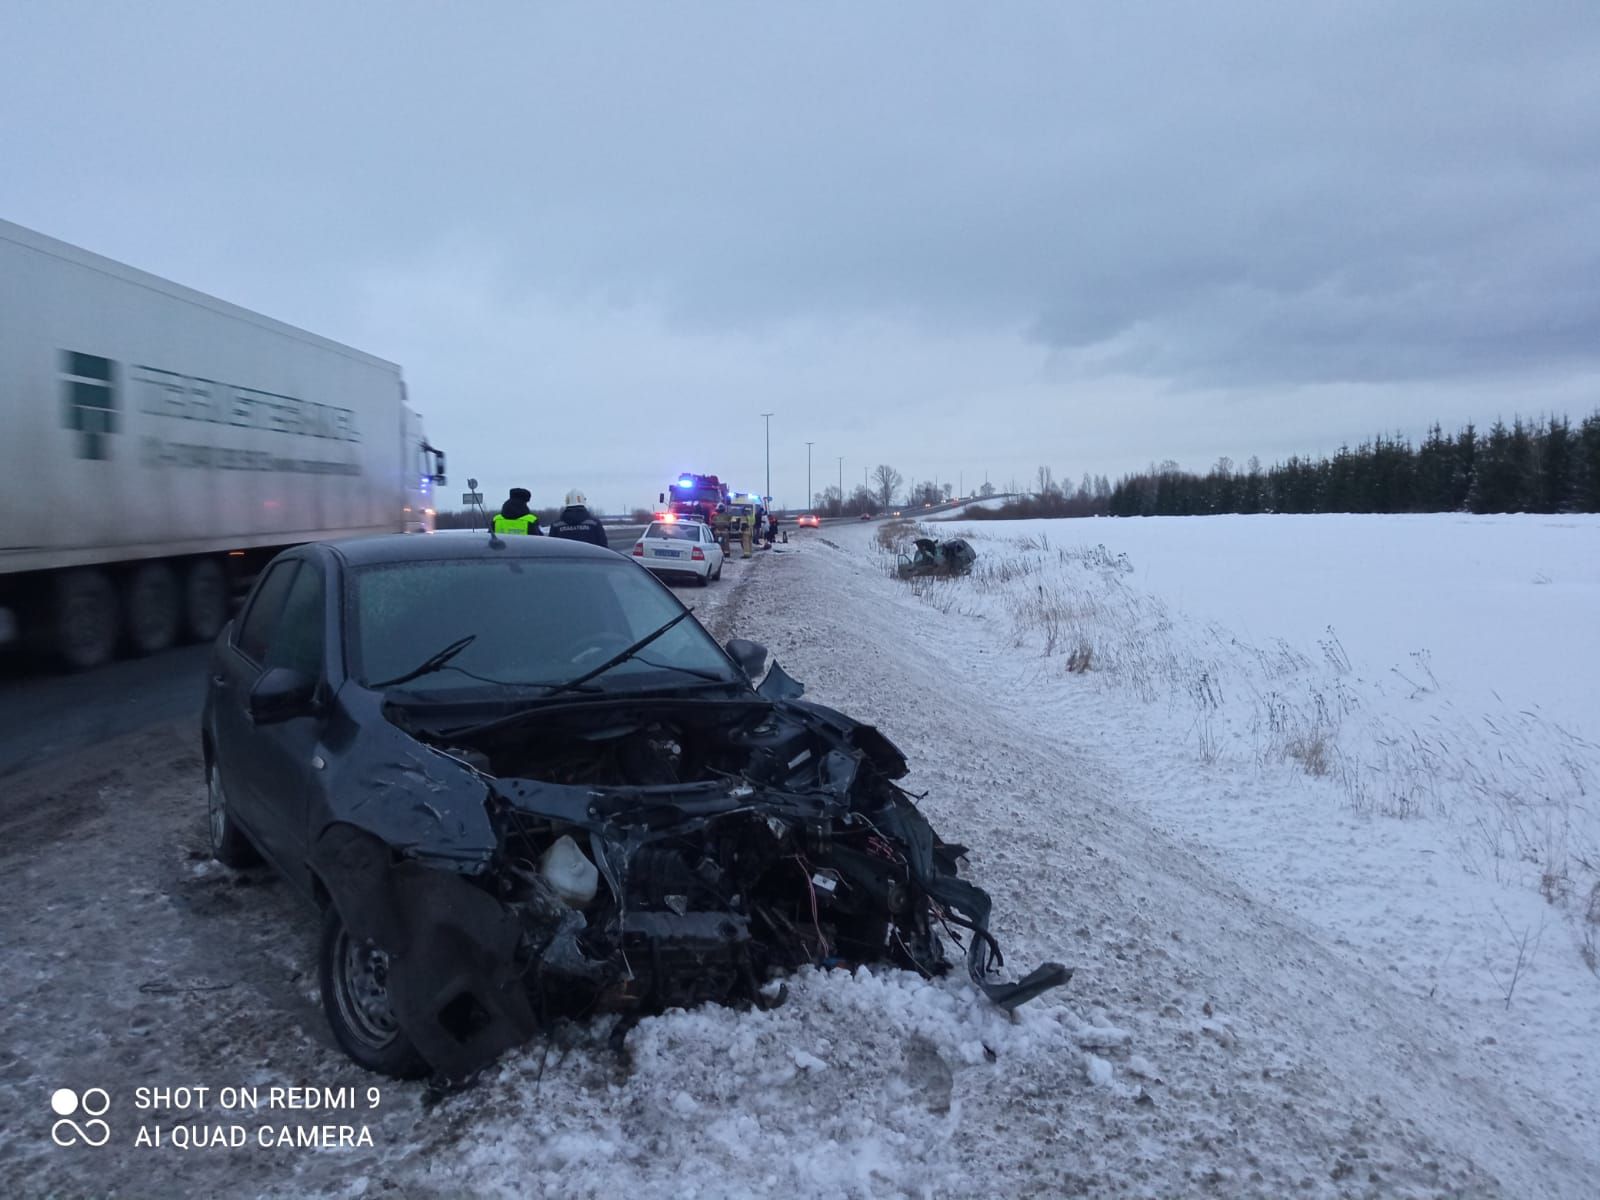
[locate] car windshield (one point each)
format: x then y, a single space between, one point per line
530 623
676 530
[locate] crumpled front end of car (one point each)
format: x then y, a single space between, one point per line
656 854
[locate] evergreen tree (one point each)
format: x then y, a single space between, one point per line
1434 475
1586 465
1466 464
1555 482
1495 484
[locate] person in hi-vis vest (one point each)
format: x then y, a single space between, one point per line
514 515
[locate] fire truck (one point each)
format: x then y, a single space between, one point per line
694 496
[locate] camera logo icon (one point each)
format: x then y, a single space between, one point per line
93 1104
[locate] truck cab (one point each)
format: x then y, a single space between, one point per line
424 474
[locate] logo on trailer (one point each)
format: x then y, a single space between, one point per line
89 402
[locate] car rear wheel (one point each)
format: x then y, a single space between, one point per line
229 846
354 975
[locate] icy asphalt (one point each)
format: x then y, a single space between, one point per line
1210 1044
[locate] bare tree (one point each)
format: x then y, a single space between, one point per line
888 481
987 489
1047 481
827 500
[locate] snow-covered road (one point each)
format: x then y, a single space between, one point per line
1211 1043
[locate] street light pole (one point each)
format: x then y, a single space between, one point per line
841 486
809 500
767 417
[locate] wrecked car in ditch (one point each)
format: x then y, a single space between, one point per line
522 782
954 556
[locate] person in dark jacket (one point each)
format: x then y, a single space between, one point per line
578 523
515 516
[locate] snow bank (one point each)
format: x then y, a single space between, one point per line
717 1102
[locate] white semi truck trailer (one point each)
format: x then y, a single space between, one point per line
161 445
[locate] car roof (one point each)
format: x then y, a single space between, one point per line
423 547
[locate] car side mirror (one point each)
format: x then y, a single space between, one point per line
751 656
281 694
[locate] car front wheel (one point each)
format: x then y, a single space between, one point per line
355 994
229 846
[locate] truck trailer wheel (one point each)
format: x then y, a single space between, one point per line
153 608
85 619
205 600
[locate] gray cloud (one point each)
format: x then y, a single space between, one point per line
733 207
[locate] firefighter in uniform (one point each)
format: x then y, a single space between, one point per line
721 523
747 529
515 516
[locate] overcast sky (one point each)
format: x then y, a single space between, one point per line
961 239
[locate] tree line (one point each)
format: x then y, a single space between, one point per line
1545 466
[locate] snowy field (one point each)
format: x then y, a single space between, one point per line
1386 725
1503 610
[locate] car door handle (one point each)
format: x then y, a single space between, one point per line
220 681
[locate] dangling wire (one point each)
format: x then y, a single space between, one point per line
816 922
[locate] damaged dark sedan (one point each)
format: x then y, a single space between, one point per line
522 782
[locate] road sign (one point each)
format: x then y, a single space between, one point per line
472 497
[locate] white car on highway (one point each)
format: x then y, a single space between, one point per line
680 549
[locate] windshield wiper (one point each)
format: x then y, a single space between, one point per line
434 662
620 657
697 672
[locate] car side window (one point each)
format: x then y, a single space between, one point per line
297 641
266 606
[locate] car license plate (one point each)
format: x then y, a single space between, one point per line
669 553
